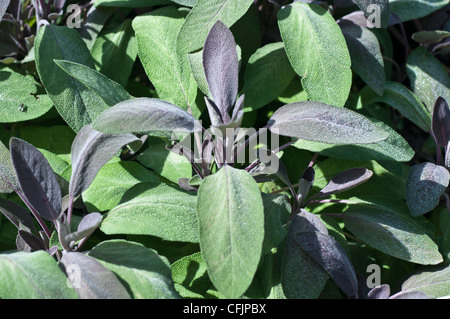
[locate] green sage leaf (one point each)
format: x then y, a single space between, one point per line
231 229
317 51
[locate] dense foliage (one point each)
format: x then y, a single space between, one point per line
224 149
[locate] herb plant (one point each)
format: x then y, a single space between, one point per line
224 149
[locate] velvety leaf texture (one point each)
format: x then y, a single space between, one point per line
90 279
326 251
86 227
109 91
365 53
320 122
8 178
301 276
428 78
231 228
392 233
149 209
170 73
220 62
33 275
3 6
147 274
203 16
37 180
143 115
76 104
426 183
90 151
317 51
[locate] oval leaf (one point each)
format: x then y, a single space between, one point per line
37 179
317 51
88 145
170 73
392 233
434 283
143 115
76 104
220 61
426 183
320 122
231 229
346 180
90 279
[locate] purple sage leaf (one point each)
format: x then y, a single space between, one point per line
327 252
90 151
86 227
346 180
220 62
319 122
29 242
379 292
37 180
425 185
143 115
16 213
90 279
441 122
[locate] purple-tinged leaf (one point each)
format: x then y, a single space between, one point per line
327 252
441 122
315 121
37 180
346 180
90 279
425 185
29 242
215 115
379 292
308 222
90 151
8 178
16 213
301 276
220 62
143 115
86 227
